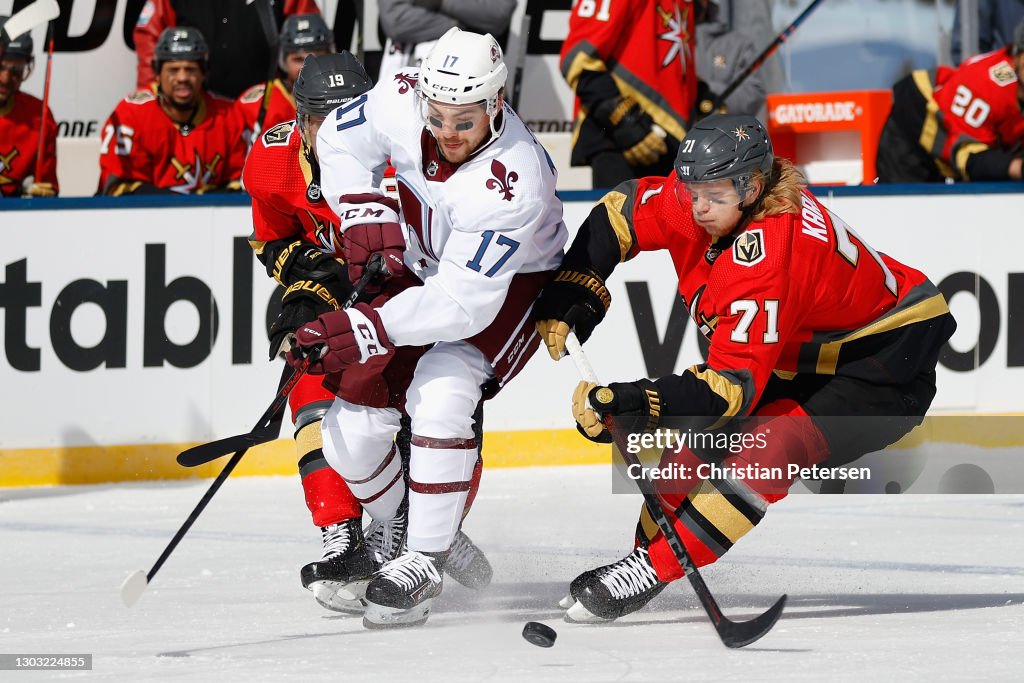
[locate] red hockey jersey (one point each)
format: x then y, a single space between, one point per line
142 149
281 107
648 49
968 118
978 108
284 203
794 293
19 144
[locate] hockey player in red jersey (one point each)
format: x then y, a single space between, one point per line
177 138
301 35
295 235
479 226
964 124
20 119
631 65
805 322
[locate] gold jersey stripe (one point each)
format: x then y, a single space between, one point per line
614 202
932 307
730 392
964 152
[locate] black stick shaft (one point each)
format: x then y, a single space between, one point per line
375 267
765 54
733 634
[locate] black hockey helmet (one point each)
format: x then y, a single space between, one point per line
180 43
1018 38
20 45
724 146
305 32
328 81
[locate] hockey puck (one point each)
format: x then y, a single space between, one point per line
539 634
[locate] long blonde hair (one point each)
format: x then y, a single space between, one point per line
785 183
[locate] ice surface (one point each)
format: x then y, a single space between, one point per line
919 587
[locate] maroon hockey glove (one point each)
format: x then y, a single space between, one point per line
366 239
346 337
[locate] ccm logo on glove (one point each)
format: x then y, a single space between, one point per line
351 336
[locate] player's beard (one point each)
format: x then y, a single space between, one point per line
183 105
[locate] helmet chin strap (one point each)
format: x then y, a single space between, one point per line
748 211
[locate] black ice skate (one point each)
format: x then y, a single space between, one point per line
467 564
387 538
339 579
401 591
614 590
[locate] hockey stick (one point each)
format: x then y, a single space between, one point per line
708 106
520 61
266 428
135 583
265 11
39 12
46 101
359 30
733 633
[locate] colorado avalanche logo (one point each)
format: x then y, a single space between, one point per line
405 83
502 180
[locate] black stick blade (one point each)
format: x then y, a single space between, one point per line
208 452
740 633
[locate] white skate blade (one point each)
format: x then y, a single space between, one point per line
133 587
340 597
567 602
578 614
378 616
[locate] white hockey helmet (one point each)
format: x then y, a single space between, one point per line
464 68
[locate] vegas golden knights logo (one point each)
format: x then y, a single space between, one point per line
748 249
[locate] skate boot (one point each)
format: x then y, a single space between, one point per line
401 591
614 590
387 538
467 564
338 580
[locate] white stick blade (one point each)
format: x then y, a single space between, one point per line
133 587
37 13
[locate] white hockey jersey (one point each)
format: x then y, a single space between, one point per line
469 228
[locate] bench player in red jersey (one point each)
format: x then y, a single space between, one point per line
20 127
962 124
295 236
805 322
301 35
177 138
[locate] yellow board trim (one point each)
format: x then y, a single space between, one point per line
101 464
534 448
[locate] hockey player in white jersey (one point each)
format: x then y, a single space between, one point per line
478 230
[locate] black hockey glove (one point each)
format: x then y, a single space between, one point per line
573 300
634 406
633 131
302 303
290 261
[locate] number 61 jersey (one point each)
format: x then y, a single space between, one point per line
479 233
